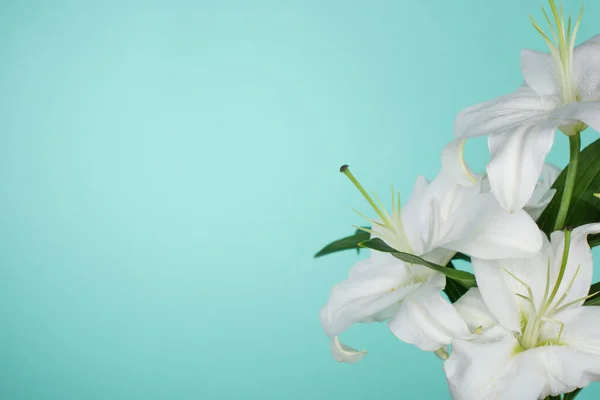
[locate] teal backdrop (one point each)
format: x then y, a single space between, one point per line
169 168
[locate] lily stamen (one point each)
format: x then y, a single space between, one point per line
392 229
532 327
561 47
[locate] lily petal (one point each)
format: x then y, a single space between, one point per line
345 354
475 313
490 370
586 111
581 331
427 320
454 165
413 217
499 283
567 369
543 192
503 114
586 69
539 71
516 162
483 229
576 362
371 293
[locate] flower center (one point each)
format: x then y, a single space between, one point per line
535 317
561 47
389 228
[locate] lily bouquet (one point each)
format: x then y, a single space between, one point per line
526 324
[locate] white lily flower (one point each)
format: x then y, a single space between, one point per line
534 336
561 91
440 218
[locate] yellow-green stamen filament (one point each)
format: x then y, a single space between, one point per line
561 47
532 327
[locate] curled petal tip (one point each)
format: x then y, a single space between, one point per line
345 354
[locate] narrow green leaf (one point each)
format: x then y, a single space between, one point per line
454 289
347 243
594 240
585 207
594 301
571 396
465 278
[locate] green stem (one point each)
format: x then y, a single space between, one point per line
575 145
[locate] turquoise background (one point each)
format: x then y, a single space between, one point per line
168 169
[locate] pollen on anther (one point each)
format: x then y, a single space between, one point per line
343 168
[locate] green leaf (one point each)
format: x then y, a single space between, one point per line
585 207
454 289
465 278
594 240
571 396
594 301
347 243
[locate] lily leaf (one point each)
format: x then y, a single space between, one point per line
454 289
351 243
465 278
594 240
585 207
347 243
571 395
594 301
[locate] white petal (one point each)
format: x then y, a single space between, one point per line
371 293
503 114
454 165
543 192
475 313
579 268
445 196
414 214
516 162
539 71
427 320
567 369
499 288
550 173
502 301
491 370
581 331
586 111
483 229
345 354
576 362
586 69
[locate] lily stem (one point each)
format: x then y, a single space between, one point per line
565 202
